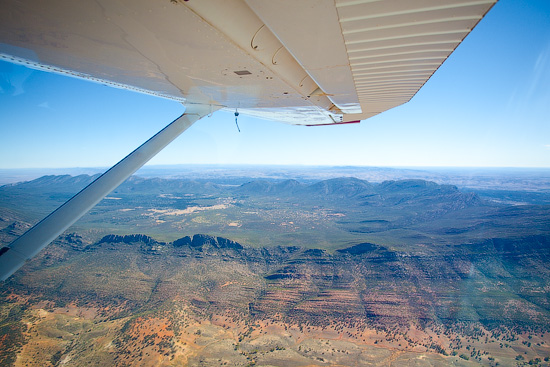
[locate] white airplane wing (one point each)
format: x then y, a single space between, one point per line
304 62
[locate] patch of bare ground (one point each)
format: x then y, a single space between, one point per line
177 336
66 336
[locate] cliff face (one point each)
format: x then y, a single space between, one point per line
493 282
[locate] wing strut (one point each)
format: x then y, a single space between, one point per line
13 256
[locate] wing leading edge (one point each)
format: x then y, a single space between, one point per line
308 62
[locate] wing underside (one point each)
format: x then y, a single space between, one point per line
306 62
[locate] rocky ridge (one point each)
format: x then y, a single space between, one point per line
364 283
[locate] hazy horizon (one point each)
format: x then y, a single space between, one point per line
536 177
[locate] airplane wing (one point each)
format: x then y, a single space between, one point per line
306 62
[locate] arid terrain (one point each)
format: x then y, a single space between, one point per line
338 272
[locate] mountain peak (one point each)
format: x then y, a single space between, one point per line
342 186
200 241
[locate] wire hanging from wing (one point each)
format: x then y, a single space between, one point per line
236 116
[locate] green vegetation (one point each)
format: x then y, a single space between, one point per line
328 214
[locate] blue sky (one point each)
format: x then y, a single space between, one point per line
487 106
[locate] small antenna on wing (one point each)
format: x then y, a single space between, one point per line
236 116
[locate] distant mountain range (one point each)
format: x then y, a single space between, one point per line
344 187
402 211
